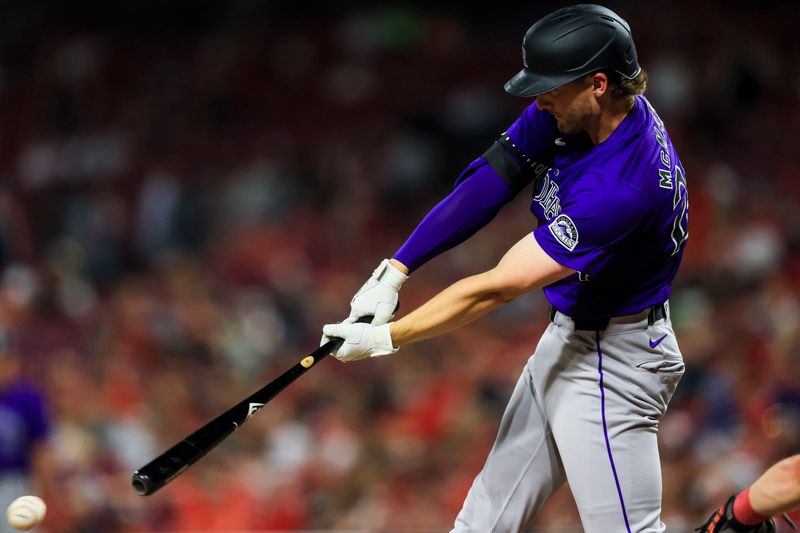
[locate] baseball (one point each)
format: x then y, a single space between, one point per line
26 512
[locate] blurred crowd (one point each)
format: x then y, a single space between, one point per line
189 190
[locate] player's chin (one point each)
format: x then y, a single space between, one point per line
567 128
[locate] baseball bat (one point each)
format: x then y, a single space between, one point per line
170 464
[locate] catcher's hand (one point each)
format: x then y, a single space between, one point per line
723 520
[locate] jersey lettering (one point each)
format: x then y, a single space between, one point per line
680 197
656 118
680 200
665 181
660 138
548 196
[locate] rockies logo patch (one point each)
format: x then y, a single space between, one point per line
563 229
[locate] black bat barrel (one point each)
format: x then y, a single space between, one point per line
174 461
167 466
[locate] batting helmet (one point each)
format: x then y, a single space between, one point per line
572 42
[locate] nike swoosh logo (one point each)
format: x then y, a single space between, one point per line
654 343
561 142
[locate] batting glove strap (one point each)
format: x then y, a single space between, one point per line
722 520
378 296
390 275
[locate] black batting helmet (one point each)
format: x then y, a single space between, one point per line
572 42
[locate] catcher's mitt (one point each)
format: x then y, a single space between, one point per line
723 520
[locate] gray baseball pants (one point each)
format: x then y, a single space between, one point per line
585 410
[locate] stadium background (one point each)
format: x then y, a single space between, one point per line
189 190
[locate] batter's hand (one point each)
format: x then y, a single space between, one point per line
378 296
360 340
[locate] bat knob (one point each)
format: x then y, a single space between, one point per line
141 484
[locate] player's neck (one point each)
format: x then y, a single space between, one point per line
608 120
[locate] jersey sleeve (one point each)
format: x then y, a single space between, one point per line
525 150
593 223
476 200
520 154
535 133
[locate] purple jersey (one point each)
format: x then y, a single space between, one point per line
23 422
615 212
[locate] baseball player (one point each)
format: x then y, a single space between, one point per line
610 203
776 491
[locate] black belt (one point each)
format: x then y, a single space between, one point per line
657 312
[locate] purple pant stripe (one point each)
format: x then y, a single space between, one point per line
605 432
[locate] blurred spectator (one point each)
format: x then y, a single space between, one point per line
24 429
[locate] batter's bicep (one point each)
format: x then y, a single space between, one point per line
525 267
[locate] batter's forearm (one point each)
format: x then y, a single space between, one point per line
459 304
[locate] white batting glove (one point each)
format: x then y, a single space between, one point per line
378 296
360 340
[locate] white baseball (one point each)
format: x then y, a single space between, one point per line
26 512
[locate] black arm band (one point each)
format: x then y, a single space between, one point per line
516 169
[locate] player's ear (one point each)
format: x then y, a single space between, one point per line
599 81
